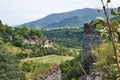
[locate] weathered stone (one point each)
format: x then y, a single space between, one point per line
91 39
44 42
119 10
53 74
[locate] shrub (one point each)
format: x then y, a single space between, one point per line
9 69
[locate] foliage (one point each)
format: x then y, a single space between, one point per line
109 29
71 70
75 21
19 42
33 64
37 52
16 36
71 18
71 38
58 50
56 59
9 69
21 55
104 57
36 67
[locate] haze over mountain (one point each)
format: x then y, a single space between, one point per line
74 18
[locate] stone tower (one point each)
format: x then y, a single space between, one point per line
119 10
91 39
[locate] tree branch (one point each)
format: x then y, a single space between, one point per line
111 33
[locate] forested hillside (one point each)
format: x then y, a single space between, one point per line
82 44
73 18
23 44
67 37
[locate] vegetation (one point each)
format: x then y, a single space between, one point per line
25 46
109 29
32 62
75 18
9 69
36 67
71 70
66 37
24 43
16 36
75 21
105 58
56 59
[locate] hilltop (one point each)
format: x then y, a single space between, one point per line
75 18
24 43
31 49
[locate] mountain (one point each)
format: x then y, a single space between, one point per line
74 18
74 21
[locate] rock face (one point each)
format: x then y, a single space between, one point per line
119 10
47 44
91 39
44 42
54 73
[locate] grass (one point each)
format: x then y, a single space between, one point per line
37 70
40 65
56 59
16 50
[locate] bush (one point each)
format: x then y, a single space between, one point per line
9 69
21 55
71 70
104 58
34 69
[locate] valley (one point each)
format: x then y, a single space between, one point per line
35 53
82 44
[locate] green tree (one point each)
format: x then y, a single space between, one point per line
0 22
9 69
110 27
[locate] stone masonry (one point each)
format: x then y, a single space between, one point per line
91 39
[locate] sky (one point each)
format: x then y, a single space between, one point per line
16 12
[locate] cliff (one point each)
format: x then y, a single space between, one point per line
43 41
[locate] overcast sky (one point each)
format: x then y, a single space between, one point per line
14 12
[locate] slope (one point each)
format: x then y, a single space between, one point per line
85 15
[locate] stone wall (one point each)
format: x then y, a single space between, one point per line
119 10
91 39
53 73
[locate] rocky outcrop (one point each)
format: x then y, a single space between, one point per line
91 39
47 43
43 42
119 10
96 75
53 73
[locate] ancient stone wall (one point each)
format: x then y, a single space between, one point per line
91 39
119 10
